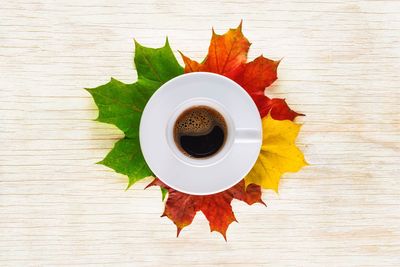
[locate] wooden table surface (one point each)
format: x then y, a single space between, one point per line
341 68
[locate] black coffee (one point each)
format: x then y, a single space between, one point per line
200 131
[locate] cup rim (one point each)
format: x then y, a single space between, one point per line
213 159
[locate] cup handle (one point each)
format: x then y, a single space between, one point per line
247 135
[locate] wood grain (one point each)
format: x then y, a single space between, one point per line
341 62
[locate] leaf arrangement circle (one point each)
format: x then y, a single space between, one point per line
122 104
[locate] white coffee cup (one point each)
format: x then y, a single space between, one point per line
218 172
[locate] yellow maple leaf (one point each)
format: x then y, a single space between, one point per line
279 153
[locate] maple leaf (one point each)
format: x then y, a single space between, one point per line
278 108
181 208
122 105
278 155
227 55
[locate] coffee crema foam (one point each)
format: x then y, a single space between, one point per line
199 120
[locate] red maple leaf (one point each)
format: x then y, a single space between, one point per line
181 208
227 55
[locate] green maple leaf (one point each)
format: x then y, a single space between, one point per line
164 193
122 105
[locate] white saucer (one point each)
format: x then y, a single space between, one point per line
218 172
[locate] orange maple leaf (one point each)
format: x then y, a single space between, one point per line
181 208
227 55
